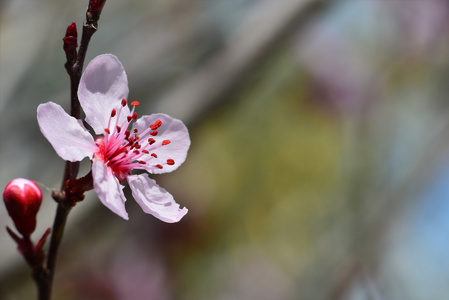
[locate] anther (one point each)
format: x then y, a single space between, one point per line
113 112
123 102
146 151
129 118
107 130
141 162
170 162
154 155
159 166
127 133
134 117
153 133
135 130
166 142
156 125
151 141
135 103
118 129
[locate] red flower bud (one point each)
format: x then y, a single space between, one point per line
71 38
95 6
23 198
71 30
93 12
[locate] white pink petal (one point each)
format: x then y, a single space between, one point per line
66 134
109 189
155 200
171 142
102 87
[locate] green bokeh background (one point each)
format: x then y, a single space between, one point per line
304 180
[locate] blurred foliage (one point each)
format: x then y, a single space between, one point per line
263 172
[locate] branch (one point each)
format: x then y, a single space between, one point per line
72 190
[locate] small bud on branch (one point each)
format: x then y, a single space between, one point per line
93 11
23 199
71 38
70 43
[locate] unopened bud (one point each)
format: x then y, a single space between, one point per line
93 11
23 198
95 6
71 38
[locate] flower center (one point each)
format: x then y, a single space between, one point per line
123 149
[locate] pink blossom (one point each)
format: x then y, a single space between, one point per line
156 143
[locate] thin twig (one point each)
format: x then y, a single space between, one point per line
70 192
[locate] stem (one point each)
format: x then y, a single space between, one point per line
43 274
58 229
43 282
74 71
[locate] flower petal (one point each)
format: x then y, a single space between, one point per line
172 130
109 189
66 134
155 200
102 87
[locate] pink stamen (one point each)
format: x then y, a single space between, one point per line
124 148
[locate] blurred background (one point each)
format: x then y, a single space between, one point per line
319 165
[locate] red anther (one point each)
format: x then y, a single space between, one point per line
107 130
23 198
142 162
129 118
159 166
135 103
153 133
170 162
123 102
151 141
154 155
127 133
165 142
134 117
118 128
136 152
137 146
135 130
146 151
113 112
156 125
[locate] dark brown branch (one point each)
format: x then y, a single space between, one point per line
72 190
